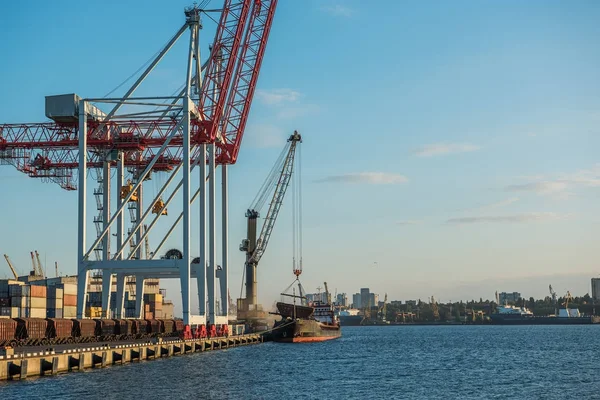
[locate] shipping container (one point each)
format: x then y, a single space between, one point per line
31 328
33 312
54 313
34 291
15 312
36 302
54 303
5 302
148 315
15 290
59 328
84 328
70 299
8 328
68 288
129 313
69 311
18 301
5 311
55 293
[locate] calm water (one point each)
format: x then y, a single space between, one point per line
418 362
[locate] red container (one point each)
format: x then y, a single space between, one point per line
38 291
106 327
84 328
31 328
154 326
69 300
59 328
8 328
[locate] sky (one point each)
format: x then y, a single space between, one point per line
449 148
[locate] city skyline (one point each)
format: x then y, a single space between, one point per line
448 151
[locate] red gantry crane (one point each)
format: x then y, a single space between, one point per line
201 126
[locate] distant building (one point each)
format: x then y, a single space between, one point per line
365 298
596 288
396 302
373 299
508 298
356 301
342 299
412 303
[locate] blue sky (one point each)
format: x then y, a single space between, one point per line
450 149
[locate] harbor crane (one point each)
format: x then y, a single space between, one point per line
130 137
12 268
277 182
554 299
39 265
435 309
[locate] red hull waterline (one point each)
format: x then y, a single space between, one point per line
307 339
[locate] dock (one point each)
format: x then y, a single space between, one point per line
43 363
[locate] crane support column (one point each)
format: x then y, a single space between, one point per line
139 296
106 288
201 273
82 272
212 247
223 281
106 275
120 303
184 269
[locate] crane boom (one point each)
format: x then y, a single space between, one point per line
12 268
40 270
277 201
279 178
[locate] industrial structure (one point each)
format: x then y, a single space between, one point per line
199 128
255 245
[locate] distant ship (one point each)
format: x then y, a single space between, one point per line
511 315
315 322
350 317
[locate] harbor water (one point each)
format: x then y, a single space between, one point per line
395 362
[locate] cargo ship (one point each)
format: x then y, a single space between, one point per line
511 315
305 322
350 317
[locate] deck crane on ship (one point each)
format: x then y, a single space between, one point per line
255 245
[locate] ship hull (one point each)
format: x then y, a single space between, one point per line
304 331
350 320
531 320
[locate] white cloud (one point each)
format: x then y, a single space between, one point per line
277 96
561 184
544 187
339 10
516 218
408 222
376 178
437 149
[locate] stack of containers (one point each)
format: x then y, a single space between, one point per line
129 306
5 297
55 302
69 300
35 301
153 305
147 313
17 302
